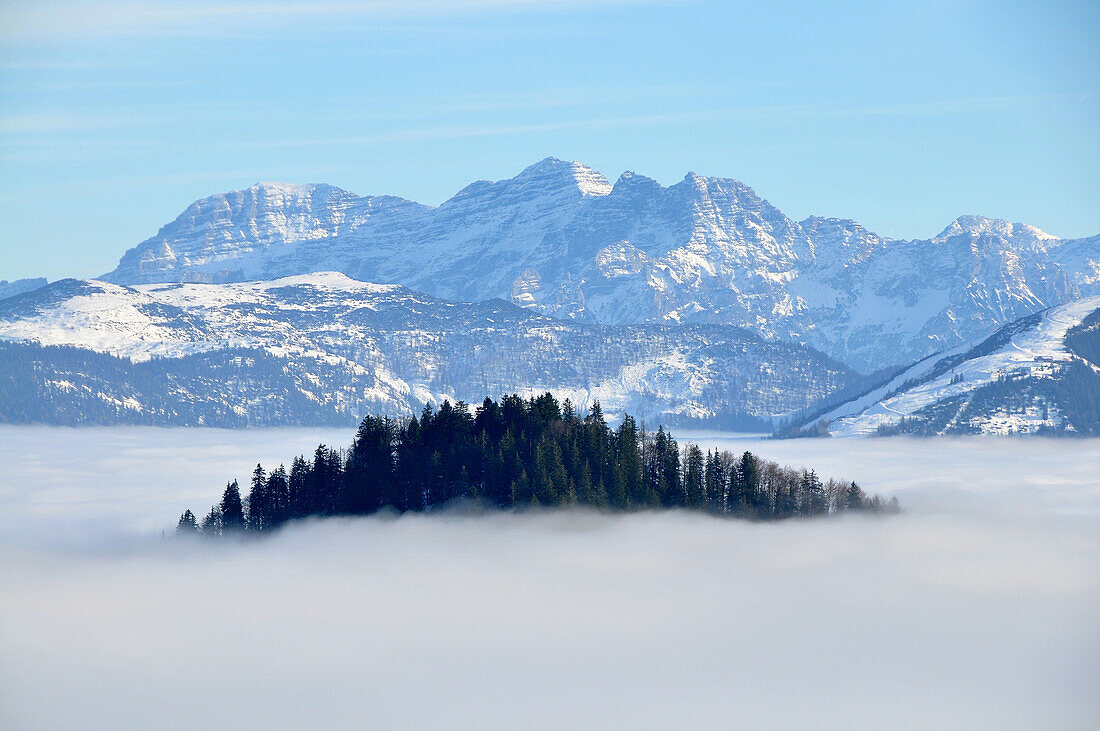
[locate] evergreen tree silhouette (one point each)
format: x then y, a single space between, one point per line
231 509
187 523
694 493
519 453
260 509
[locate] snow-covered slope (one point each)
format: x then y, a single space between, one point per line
360 346
562 240
1025 378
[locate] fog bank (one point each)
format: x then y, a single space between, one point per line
975 608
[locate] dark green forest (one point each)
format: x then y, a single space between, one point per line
521 453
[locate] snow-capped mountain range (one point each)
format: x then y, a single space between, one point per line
559 238
697 302
241 353
1039 373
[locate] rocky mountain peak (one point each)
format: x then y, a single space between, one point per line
588 181
704 249
631 183
973 225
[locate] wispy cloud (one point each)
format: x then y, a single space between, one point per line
773 113
65 18
34 137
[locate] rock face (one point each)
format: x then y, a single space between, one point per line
220 238
560 239
322 347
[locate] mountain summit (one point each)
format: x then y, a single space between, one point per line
559 238
561 173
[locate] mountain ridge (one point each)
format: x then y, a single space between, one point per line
1025 378
560 239
348 347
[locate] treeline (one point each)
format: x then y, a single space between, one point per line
522 453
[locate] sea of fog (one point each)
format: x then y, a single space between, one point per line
978 607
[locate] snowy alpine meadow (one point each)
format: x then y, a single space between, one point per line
974 608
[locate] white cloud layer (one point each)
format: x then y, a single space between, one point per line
975 608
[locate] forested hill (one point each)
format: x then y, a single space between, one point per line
519 453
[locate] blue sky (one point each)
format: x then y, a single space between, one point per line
115 115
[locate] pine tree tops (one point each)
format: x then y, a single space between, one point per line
187 523
520 453
232 510
694 486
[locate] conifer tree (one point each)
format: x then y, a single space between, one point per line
743 498
694 495
856 498
568 412
520 453
815 503
714 483
323 481
368 478
231 509
187 523
410 468
278 490
669 485
212 522
259 502
521 490
585 491
548 481
629 488
788 494
299 504
614 493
